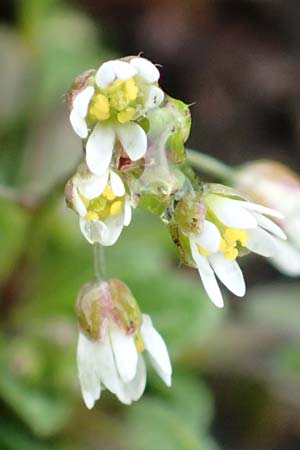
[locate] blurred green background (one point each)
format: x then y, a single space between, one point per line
236 382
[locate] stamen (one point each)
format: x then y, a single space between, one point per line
126 115
108 194
131 89
100 107
115 208
230 241
91 215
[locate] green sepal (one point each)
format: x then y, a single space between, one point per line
190 213
182 244
89 308
126 311
153 203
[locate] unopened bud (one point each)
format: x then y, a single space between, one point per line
189 213
99 302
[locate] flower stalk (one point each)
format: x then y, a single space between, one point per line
99 262
210 165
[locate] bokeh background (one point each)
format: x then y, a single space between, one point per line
236 371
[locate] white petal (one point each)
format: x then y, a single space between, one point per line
79 125
270 226
107 370
155 97
207 276
105 75
87 370
92 230
134 140
78 203
127 214
229 273
92 186
287 258
259 208
99 149
146 69
157 349
125 354
113 228
209 238
82 100
123 70
117 185
261 242
136 387
231 213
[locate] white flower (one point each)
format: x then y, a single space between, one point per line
231 226
275 185
115 362
123 92
102 205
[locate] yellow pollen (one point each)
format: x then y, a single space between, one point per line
126 115
202 251
234 235
114 86
100 107
91 215
230 240
108 194
116 208
131 89
139 343
231 254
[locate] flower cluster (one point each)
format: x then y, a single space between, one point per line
133 137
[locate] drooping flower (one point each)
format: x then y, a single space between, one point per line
106 111
217 229
113 335
276 186
102 204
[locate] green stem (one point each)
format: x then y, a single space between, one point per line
210 166
99 262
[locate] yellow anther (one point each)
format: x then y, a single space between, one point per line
202 251
139 343
234 235
116 207
108 194
131 89
230 240
223 245
91 215
231 254
114 86
100 107
126 115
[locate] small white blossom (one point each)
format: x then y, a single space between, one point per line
102 205
275 185
231 226
116 362
122 93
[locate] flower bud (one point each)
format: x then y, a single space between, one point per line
271 183
99 302
189 213
276 186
